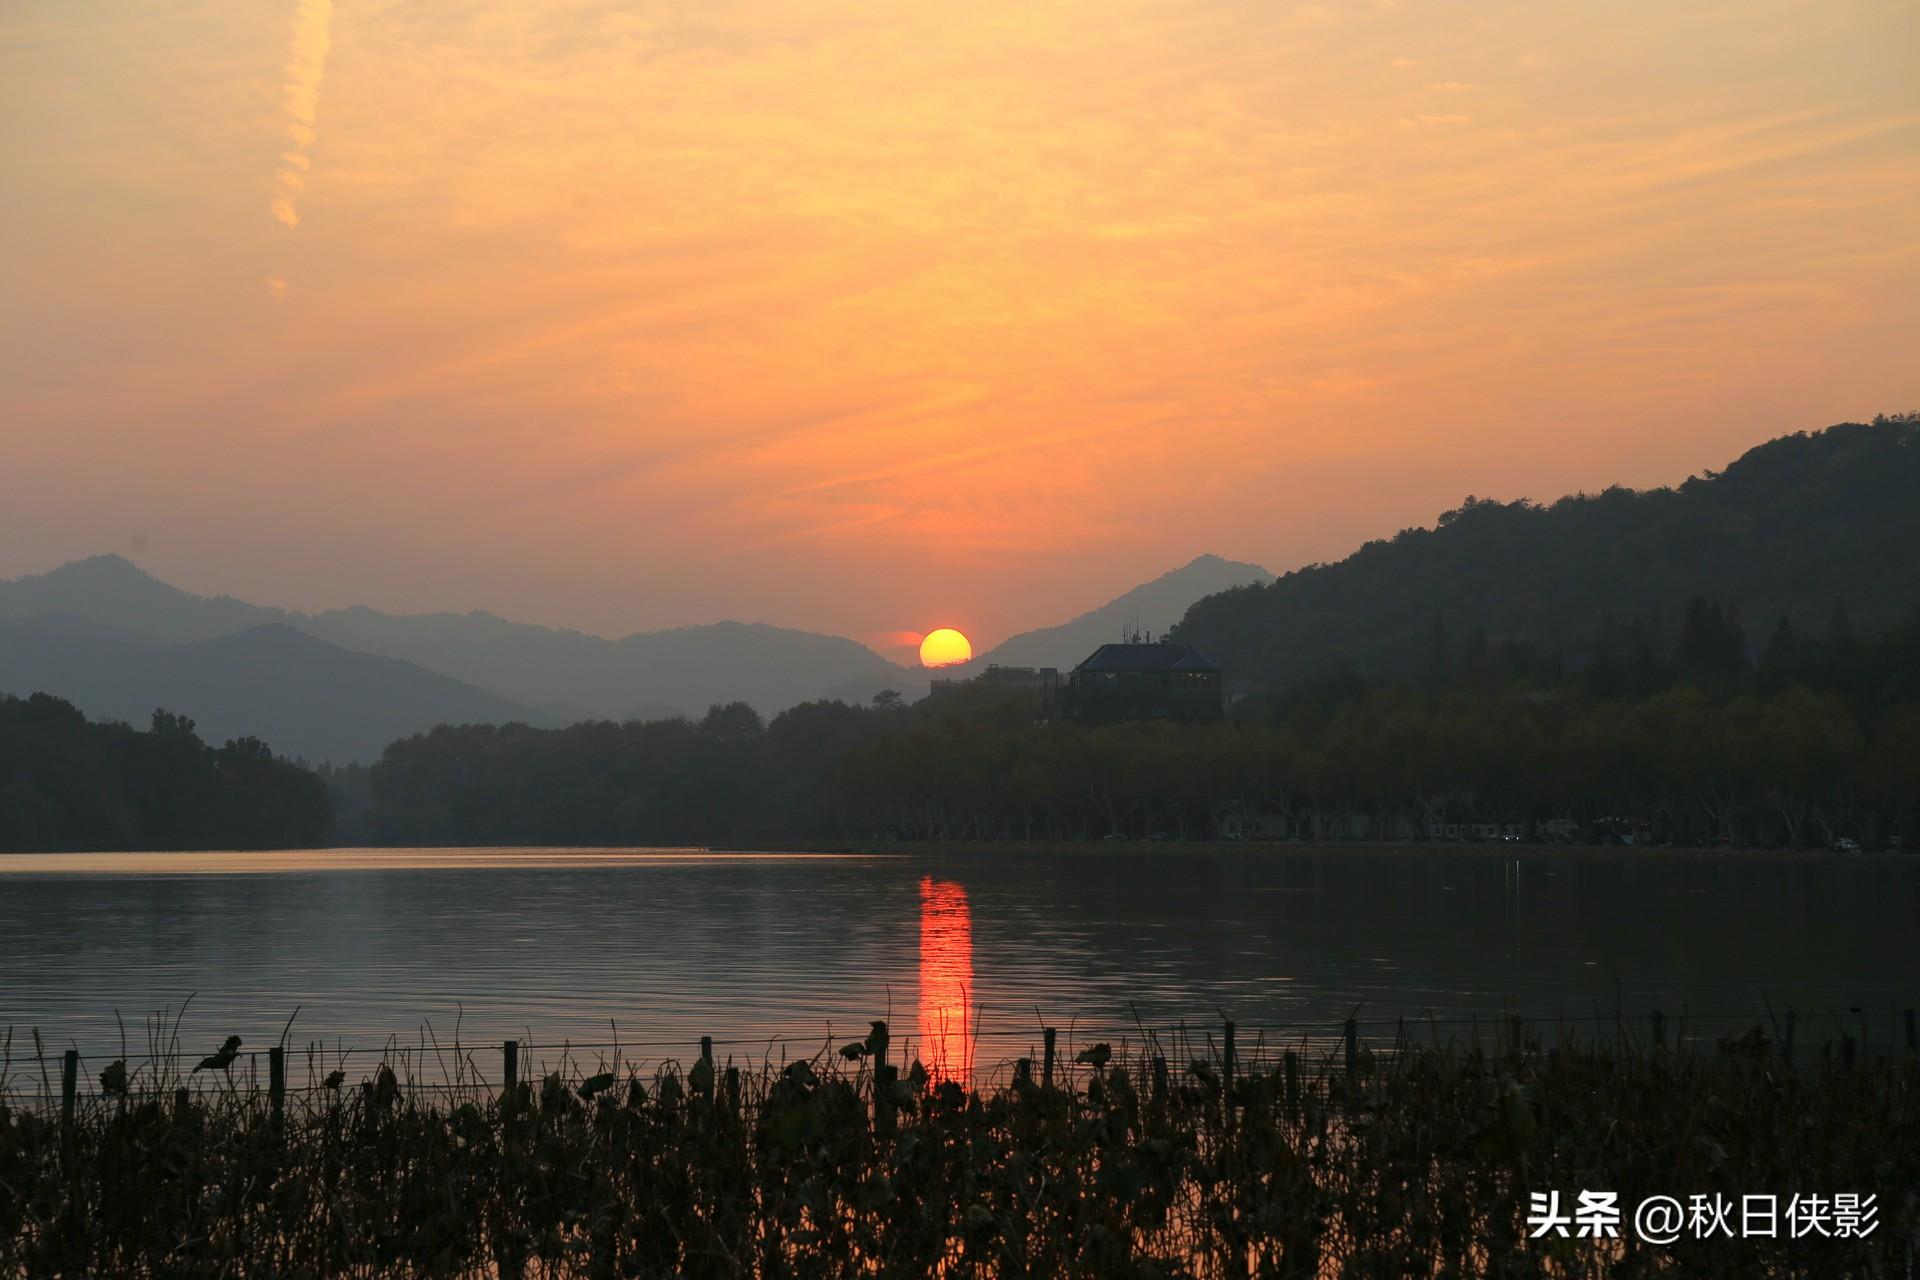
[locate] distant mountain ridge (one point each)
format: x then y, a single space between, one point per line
1153 606
560 674
570 675
113 591
303 696
580 676
1784 530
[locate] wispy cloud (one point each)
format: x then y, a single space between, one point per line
300 103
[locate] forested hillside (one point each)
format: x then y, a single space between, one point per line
1785 529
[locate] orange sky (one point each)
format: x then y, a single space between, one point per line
871 317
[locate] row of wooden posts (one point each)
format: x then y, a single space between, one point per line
885 1074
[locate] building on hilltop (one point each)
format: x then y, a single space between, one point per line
1143 679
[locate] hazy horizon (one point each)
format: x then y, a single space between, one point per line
870 320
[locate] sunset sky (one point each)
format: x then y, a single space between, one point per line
875 317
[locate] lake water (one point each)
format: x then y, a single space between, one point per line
966 955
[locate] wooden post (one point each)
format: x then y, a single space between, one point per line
277 1081
1290 1063
1786 1041
1514 1032
1659 1029
706 1047
510 1066
884 1077
1046 1068
1353 1046
1226 1061
1023 1071
69 1086
1159 1080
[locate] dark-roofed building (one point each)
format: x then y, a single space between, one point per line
1142 680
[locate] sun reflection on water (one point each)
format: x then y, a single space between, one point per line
946 981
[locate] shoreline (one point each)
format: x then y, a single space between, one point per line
1188 848
1068 848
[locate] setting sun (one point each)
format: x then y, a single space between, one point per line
944 647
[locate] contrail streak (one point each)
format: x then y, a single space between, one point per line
300 102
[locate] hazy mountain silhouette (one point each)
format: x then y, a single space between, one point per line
564 674
305 697
576 675
1790 526
117 593
528 671
1153 606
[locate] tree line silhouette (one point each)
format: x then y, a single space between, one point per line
69 783
1819 738
1692 743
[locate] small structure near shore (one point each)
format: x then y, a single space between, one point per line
1143 679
